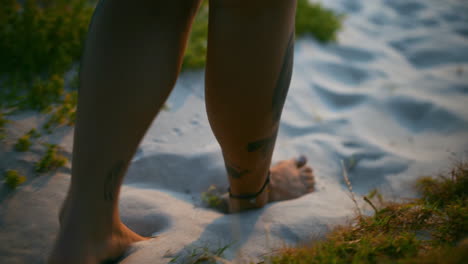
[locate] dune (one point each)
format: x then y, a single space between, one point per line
389 100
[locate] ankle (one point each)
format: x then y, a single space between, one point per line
241 202
238 205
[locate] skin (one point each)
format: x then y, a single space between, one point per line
132 57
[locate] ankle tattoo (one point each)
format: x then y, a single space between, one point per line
112 180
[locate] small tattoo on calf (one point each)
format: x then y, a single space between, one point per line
259 144
235 172
284 79
265 145
112 181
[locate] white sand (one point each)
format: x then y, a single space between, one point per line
391 97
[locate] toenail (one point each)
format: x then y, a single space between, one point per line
301 161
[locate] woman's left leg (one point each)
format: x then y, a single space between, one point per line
131 61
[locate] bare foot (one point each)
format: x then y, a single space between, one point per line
83 241
290 179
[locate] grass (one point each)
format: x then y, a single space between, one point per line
430 229
24 143
321 23
202 254
311 19
63 113
3 122
195 53
41 40
52 159
13 178
212 198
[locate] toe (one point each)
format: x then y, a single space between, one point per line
309 183
307 170
307 177
301 161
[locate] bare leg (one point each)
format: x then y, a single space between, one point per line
132 59
250 58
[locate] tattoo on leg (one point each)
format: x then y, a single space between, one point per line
284 79
234 171
265 145
112 181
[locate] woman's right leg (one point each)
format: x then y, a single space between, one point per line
249 67
133 54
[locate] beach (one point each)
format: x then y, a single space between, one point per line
386 104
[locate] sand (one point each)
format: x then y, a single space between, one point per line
390 100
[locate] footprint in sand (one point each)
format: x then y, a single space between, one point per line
429 51
405 8
462 31
350 53
345 74
339 101
424 116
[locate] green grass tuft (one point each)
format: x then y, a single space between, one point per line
197 44
40 40
312 18
63 113
23 144
13 179
3 122
212 197
33 133
51 160
202 254
448 195
430 229
42 93
445 189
